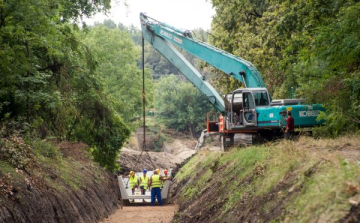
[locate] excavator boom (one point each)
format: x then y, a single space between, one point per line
178 60
238 68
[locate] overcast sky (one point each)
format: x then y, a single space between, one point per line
182 14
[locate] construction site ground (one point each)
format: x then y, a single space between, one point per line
282 180
143 214
193 199
174 151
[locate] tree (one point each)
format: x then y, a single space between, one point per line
309 45
180 105
116 56
49 83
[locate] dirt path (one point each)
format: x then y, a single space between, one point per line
143 214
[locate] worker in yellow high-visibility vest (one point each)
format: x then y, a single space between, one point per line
144 182
133 181
155 183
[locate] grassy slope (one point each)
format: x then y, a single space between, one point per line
36 172
304 181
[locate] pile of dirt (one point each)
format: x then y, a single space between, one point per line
173 152
70 188
131 160
74 150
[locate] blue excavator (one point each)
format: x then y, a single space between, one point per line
248 110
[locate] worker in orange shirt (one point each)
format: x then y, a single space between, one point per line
164 178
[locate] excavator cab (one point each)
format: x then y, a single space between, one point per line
241 106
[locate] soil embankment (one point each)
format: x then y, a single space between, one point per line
304 180
61 185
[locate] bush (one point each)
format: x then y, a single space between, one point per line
14 151
45 148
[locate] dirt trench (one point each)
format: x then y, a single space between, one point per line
173 154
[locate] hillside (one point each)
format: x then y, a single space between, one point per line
59 182
306 180
53 182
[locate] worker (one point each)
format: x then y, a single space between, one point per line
164 178
289 132
144 182
134 181
155 183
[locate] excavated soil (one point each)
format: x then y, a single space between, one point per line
173 152
131 160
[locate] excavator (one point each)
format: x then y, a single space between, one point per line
249 110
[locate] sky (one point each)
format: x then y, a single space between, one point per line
182 14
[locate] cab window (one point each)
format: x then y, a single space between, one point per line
261 98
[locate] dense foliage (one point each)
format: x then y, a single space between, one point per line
116 57
154 61
180 105
313 46
177 103
50 85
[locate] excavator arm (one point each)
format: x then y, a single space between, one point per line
178 60
238 68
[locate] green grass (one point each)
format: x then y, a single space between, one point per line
195 163
6 168
326 194
45 149
60 172
201 165
240 164
313 182
51 167
198 187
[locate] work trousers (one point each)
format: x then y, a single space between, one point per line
289 135
155 191
143 190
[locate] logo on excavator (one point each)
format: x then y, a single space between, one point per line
177 40
166 34
170 36
311 113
